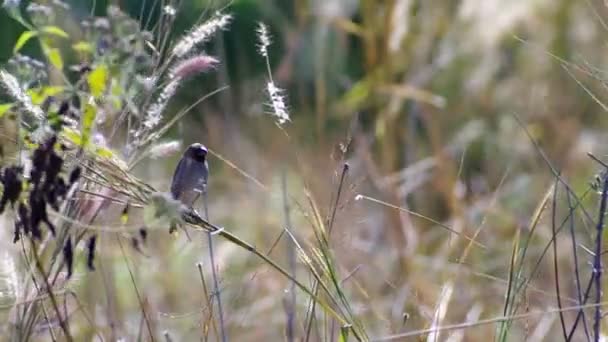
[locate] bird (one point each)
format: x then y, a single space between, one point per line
191 175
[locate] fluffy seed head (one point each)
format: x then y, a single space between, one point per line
13 88
201 34
165 149
169 10
264 39
277 102
154 115
192 66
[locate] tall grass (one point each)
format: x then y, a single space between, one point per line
375 202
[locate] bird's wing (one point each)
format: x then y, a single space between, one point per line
206 175
179 176
201 183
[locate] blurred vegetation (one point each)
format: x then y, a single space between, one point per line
455 117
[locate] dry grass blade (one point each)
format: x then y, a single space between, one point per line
494 320
440 311
510 282
517 281
426 218
199 223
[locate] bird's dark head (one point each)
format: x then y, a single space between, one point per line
197 152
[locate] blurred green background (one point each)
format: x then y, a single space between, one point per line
430 93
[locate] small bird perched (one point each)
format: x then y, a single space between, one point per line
190 176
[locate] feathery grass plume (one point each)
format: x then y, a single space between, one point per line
165 148
200 34
264 38
277 99
14 90
9 278
186 68
154 115
169 10
192 66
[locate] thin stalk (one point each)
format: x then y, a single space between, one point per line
291 257
209 303
597 260
482 322
216 286
139 299
313 303
536 268
555 264
577 277
197 222
585 298
27 309
62 323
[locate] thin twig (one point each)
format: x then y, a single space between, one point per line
550 165
39 291
216 285
139 299
576 268
597 260
555 263
291 256
585 298
62 323
460 326
424 217
209 298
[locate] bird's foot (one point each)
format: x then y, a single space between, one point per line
219 231
195 212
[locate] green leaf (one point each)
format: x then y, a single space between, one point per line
357 95
116 91
88 119
53 90
104 153
56 31
4 108
24 38
72 136
97 80
344 333
83 46
55 58
38 95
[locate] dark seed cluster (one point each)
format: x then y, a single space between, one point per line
91 252
61 113
12 184
139 240
45 188
68 255
596 184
